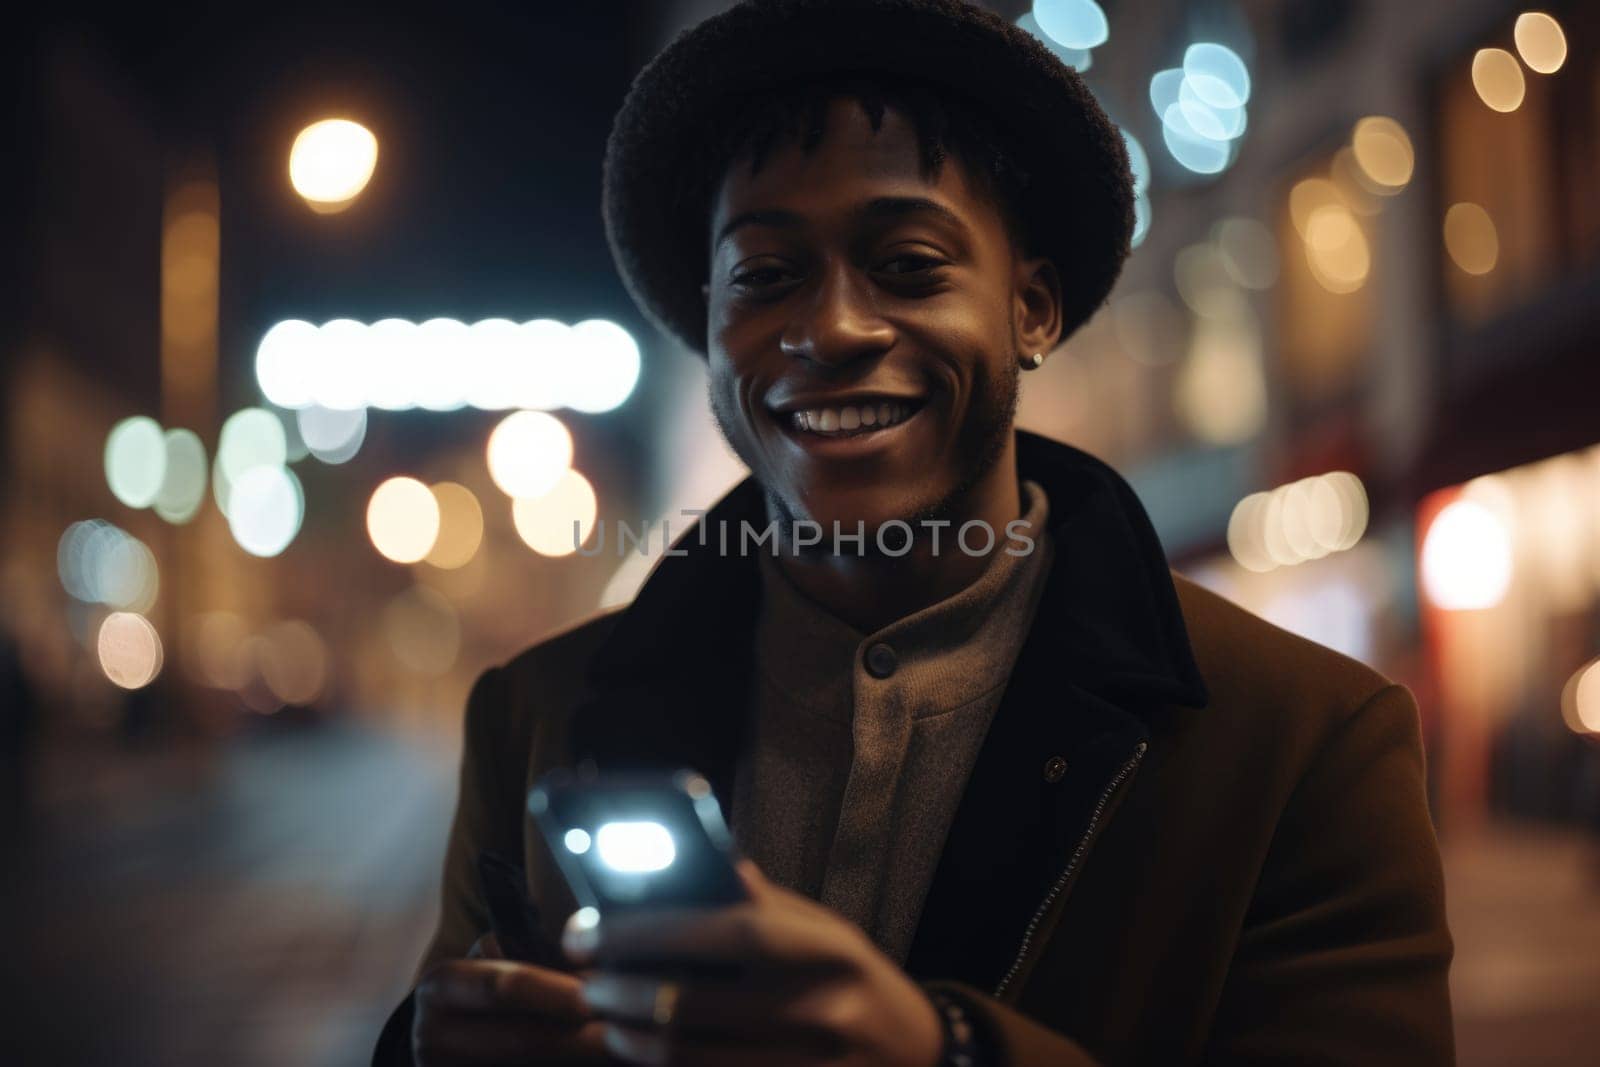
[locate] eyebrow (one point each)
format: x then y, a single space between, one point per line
876 209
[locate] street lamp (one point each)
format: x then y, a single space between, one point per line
331 162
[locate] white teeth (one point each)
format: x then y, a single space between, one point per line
850 418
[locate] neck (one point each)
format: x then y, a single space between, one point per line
871 591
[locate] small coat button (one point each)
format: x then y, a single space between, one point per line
881 660
1055 768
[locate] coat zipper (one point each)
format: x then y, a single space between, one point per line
1072 864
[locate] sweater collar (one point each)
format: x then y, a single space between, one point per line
949 652
669 683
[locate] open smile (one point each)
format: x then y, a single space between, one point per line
848 428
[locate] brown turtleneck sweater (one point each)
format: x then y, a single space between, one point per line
856 758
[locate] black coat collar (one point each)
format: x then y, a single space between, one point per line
1107 650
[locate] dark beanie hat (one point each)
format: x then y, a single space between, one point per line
1076 210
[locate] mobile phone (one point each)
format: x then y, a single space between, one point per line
629 841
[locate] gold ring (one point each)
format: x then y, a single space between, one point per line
666 1003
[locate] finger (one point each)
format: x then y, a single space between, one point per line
500 986
809 1012
739 934
664 1049
486 947
755 883
468 1039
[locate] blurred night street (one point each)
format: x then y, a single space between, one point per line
318 375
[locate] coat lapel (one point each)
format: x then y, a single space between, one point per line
670 685
1107 651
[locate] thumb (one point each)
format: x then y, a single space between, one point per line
755 883
486 947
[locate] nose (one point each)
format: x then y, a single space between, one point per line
839 323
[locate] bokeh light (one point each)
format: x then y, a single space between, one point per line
71 561
1336 248
1580 699
1220 392
286 363
399 353
445 364
1208 120
546 523
99 563
1307 196
1466 557
333 436
1540 42
331 162
611 366
129 650
252 437
127 575
490 362
1384 152
1360 194
1079 59
214 649
348 362
183 485
1201 106
443 348
1299 521
423 631
1072 23
1497 76
527 453
1202 280
1249 253
547 365
1470 238
460 526
293 661
1217 75
136 460
1196 153
403 520
1138 162
265 509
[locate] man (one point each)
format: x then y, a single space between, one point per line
1042 806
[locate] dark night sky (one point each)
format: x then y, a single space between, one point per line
491 121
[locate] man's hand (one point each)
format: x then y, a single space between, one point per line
488 1010
804 986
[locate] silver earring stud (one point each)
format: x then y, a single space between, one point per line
1033 362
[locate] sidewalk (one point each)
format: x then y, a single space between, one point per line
1524 904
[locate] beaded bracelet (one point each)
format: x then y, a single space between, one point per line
962 1047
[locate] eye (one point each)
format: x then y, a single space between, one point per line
927 264
755 278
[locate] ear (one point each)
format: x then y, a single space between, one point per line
705 292
1037 321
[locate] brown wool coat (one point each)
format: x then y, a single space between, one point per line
1238 865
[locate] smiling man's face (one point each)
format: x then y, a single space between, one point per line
865 327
